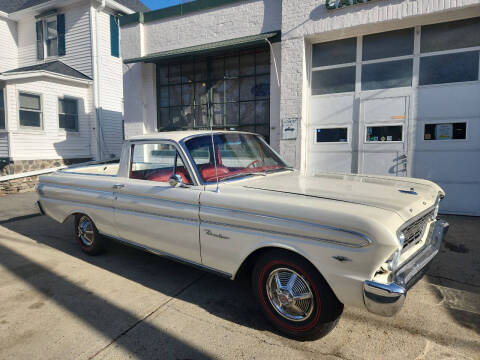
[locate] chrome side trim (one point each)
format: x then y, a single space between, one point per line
248 228
180 218
367 240
170 256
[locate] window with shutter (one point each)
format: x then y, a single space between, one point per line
2 111
61 34
40 45
114 36
51 36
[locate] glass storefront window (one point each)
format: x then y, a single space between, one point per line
388 44
228 91
449 68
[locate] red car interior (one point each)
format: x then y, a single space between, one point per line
161 175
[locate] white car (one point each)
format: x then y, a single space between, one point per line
227 202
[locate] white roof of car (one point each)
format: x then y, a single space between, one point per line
179 135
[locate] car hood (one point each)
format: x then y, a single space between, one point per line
405 196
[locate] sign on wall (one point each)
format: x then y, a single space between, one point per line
337 4
290 128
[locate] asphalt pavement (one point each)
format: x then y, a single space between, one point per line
58 303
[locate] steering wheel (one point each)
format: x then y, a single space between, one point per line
253 163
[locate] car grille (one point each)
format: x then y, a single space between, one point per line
414 232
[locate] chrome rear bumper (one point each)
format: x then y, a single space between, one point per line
387 299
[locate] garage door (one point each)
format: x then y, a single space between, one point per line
402 103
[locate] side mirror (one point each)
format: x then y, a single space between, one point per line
175 180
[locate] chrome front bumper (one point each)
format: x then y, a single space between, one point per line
387 299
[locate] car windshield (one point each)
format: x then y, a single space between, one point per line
236 155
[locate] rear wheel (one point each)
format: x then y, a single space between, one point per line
294 296
87 235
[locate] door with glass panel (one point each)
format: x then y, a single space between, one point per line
383 141
152 213
229 91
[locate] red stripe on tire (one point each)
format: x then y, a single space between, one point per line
269 310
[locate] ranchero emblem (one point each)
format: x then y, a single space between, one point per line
220 236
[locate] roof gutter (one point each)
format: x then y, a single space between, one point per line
116 6
30 74
34 10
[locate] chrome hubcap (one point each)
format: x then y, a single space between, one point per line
290 294
85 230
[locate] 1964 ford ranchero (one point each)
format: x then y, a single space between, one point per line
225 201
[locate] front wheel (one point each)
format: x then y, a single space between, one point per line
87 235
294 296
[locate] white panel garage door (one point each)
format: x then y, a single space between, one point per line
401 103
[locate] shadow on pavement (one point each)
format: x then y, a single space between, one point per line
91 309
229 300
454 274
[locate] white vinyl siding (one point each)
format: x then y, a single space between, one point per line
110 76
77 39
3 144
8 44
50 142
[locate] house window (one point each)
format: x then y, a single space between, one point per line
2 111
68 114
30 113
51 37
114 37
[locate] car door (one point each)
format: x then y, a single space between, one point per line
152 213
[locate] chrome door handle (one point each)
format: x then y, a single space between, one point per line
118 186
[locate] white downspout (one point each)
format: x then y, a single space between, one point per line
96 79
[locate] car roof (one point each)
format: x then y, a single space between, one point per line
181 135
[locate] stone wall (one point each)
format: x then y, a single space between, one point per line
28 183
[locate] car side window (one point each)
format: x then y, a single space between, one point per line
157 162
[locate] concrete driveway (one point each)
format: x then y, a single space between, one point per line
57 303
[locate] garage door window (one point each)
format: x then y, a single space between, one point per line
388 44
332 81
387 75
385 133
449 68
332 135
446 131
334 52
451 35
